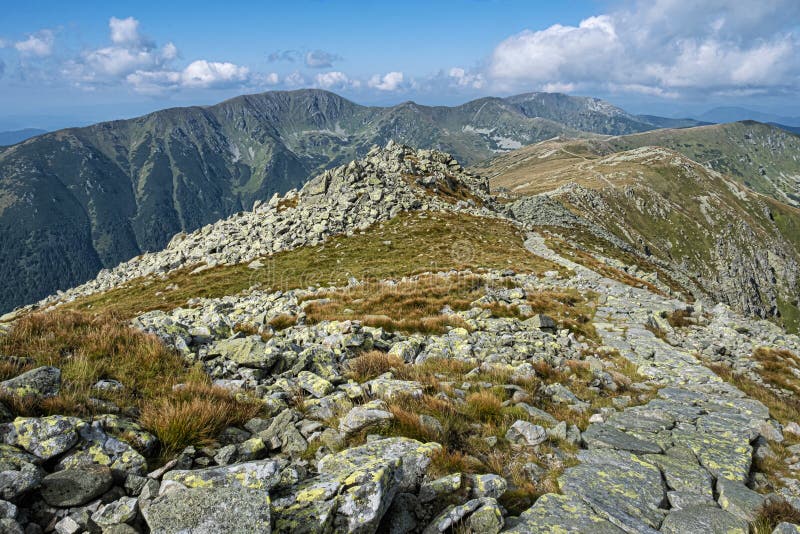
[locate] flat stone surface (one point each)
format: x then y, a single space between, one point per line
561 514
703 520
600 435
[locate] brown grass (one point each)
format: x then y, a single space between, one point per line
452 242
679 319
283 321
784 408
569 308
372 364
194 415
777 366
771 514
412 306
88 348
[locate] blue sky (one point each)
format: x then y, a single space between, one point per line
65 63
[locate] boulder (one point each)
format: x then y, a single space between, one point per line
361 417
42 382
702 520
209 510
45 437
525 433
75 487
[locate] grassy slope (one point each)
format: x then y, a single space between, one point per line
408 244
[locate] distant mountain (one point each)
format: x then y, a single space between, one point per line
734 114
794 129
759 156
77 200
17 136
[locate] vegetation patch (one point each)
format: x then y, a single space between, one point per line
88 348
392 249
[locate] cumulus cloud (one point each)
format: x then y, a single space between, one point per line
133 59
319 59
39 44
335 80
294 79
391 81
461 78
659 47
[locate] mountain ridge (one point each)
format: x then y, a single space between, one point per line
80 199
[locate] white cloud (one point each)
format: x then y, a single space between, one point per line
335 80
205 74
391 81
38 44
125 32
461 78
659 47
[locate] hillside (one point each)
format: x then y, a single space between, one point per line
393 349
764 158
717 239
78 200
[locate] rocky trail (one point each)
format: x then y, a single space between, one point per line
538 399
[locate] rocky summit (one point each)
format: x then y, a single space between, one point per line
396 348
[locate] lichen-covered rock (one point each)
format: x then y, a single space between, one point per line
123 510
600 435
97 448
618 485
562 514
317 386
372 413
683 473
489 485
260 475
19 472
724 457
247 351
440 487
42 382
74 487
209 510
739 500
479 515
388 388
525 433
45 437
702 520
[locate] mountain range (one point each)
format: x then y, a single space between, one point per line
79 200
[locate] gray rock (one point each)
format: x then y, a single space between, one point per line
45 437
601 435
75 487
525 433
562 514
261 475
247 351
42 382
738 499
786 528
10 526
440 487
19 473
489 485
123 510
685 499
618 485
542 322
218 510
361 417
702 520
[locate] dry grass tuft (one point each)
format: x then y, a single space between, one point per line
679 319
194 415
413 306
773 513
283 321
88 348
371 364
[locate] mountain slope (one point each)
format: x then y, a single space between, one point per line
81 199
718 239
762 157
